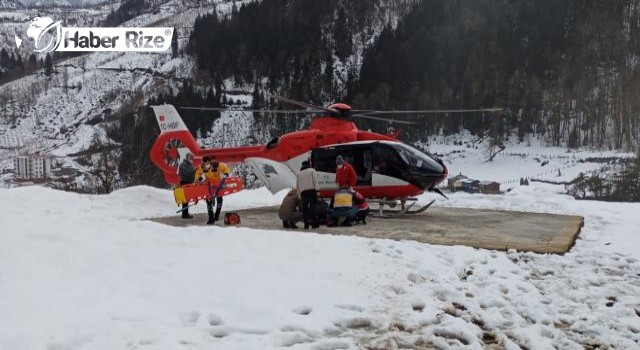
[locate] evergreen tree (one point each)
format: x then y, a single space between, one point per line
174 44
342 36
48 65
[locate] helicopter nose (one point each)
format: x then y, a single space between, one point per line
439 179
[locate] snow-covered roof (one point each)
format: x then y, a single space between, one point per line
487 183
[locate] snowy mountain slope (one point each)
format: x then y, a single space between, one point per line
15 22
55 110
11 4
68 282
60 3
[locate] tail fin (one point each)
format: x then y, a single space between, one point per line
168 118
172 144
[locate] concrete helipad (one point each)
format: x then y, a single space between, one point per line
479 228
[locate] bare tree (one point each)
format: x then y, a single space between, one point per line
103 176
495 142
65 79
104 173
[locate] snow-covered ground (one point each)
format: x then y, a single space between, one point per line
85 272
530 159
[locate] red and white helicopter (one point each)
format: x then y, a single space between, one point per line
388 170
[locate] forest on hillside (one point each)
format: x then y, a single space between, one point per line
295 45
566 70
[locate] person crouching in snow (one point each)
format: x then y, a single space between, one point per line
186 171
291 210
212 172
345 174
343 207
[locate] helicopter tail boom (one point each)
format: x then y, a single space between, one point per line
175 141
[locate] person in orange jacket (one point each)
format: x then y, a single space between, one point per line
345 174
212 171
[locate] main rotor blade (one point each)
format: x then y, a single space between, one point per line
298 103
428 111
280 111
383 119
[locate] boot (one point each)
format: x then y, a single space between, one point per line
211 220
217 216
186 215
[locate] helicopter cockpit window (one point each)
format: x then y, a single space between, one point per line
364 168
406 163
416 159
386 162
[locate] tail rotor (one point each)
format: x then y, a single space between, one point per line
173 143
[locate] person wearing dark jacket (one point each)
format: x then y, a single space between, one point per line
290 210
307 185
187 173
363 209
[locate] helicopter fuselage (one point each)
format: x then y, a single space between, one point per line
386 167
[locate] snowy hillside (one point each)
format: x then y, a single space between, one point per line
14 21
60 3
15 4
11 4
59 114
85 272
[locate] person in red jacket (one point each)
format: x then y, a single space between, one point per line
363 209
345 174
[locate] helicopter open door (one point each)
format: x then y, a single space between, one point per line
275 175
360 156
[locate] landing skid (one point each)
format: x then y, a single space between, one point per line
406 209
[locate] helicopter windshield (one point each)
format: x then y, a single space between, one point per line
417 159
376 159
